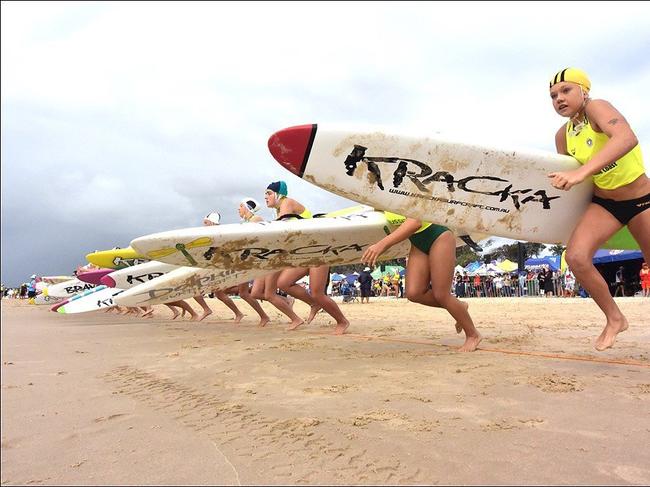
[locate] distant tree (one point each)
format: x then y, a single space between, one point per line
465 255
557 249
510 251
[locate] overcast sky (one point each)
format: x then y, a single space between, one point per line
123 119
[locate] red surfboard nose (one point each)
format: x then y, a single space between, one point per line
58 305
291 147
107 281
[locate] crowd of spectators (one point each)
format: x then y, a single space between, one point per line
20 292
537 282
540 282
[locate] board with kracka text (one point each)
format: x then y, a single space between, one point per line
490 190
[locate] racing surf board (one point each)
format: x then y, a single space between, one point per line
184 283
138 274
337 238
491 190
94 276
99 298
116 258
68 289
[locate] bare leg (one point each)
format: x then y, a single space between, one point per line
594 228
287 282
270 286
245 294
147 311
318 287
225 299
457 325
206 309
173 310
438 269
186 307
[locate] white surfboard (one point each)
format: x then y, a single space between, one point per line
340 238
477 188
138 274
100 298
69 288
184 283
79 295
55 279
42 298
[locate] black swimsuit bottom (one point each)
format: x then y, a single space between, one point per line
624 210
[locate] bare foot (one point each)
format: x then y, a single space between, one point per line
194 317
312 313
176 313
458 326
238 317
148 313
341 327
264 321
471 343
205 314
295 324
608 336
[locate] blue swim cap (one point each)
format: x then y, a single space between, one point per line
279 187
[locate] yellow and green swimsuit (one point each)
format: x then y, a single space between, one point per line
425 236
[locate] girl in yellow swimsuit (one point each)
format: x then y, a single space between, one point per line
275 197
600 138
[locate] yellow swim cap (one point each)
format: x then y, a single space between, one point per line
573 75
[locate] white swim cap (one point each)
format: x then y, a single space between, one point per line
214 217
252 205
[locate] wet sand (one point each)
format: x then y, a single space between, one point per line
100 398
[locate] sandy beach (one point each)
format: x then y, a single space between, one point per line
100 398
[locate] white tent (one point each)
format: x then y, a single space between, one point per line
487 270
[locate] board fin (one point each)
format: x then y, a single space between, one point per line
472 245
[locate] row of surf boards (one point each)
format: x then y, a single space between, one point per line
475 190
184 263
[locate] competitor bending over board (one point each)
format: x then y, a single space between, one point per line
248 209
276 197
431 261
213 219
599 137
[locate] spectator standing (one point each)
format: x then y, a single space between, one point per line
644 277
365 281
569 284
620 282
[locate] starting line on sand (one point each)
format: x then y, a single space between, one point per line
560 356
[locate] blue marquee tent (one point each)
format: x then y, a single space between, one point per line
602 256
552 261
